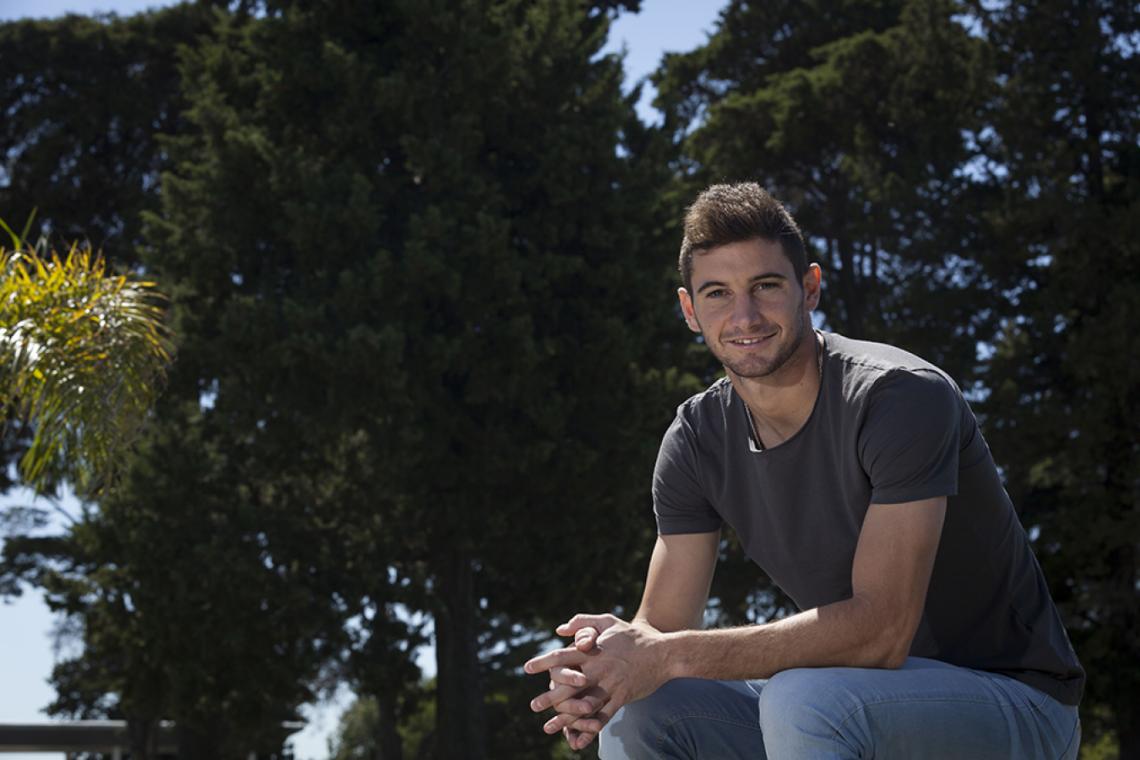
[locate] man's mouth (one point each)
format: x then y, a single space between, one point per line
750 341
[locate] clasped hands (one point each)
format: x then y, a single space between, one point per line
610 664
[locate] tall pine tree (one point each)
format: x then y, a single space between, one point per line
1064 173
416 229
83 100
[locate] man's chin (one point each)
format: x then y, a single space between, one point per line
750 372
755 368
749 369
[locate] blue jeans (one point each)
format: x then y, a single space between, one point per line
927 709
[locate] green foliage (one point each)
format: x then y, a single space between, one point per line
1098 741
358 731
355 735
360 726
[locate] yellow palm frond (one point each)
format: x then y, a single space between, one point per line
82 356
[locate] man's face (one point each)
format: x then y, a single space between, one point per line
749 307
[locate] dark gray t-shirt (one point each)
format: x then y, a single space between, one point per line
887 428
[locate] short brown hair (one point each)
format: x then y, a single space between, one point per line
724 214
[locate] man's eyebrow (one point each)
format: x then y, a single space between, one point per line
755 278
710 284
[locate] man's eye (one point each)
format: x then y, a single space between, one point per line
718 293
768 285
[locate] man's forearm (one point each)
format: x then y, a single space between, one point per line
850 633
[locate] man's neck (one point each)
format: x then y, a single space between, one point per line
781 403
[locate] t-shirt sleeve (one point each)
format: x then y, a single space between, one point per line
909 440
679 501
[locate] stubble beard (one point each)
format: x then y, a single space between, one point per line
756 367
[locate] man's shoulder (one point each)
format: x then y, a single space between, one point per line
873 357
704 416
881 382
863 364
709 404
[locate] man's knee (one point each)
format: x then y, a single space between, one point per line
800 699
656 726
804 712
636 727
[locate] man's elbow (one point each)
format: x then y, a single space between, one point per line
892 647
887 634
894 659
672 625
882 656
668 621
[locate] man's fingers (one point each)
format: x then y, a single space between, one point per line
581 718
584 739
559 657
588 724
584 638
578 705
597 622
554 697
568 676
578 739
603 715
591 724
580 713
558 722
581 739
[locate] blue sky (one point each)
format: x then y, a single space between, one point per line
26 647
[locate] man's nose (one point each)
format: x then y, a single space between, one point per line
746 312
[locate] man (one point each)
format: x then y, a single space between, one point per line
856 477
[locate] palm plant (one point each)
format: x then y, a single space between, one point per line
82 356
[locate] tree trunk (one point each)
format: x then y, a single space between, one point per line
387 737
1091 103
851 288
1127 711
196 743
1124 615
459 696
1123 620
142 736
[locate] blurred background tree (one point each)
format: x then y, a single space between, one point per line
417 307
1063 172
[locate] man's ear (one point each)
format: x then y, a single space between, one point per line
687 309
813 286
